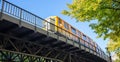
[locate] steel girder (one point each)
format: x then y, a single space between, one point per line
12 56
17 50
13 49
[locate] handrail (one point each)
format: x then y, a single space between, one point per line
37 21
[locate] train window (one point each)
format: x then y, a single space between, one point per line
52 19
59 21
66 25
73 30
84 37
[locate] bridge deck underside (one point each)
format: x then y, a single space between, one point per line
19 36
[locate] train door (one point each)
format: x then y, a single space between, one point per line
88 41
90 45
79 35
85 39
66 27
73 30
82 40
60 26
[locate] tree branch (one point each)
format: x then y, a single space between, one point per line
116 1
114 8
111 8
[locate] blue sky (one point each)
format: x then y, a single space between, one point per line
46 8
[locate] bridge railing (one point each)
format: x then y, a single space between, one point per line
26 16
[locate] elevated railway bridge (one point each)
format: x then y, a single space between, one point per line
23 39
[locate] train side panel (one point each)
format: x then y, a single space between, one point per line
59 23
63 28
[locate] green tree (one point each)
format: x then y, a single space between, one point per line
105 12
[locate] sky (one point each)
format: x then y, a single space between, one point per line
46 8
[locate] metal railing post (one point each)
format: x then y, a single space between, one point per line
48 29
79 43
20 17
35 24
57 33
2 9
89 46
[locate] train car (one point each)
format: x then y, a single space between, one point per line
57 25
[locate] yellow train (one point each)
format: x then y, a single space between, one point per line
59 26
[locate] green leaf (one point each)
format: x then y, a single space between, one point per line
107 14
